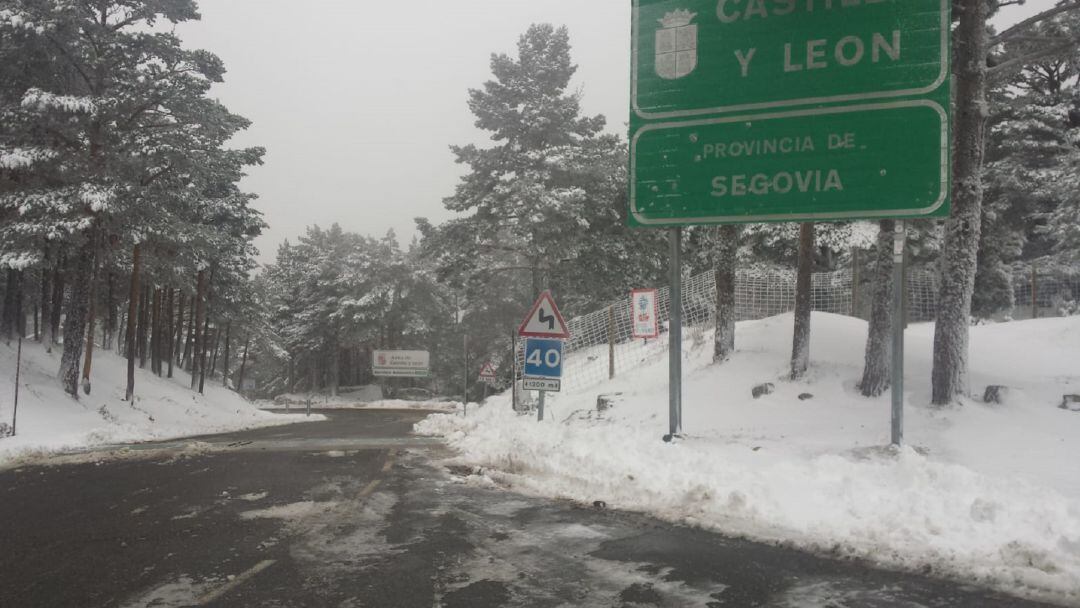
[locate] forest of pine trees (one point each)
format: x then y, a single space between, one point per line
121 220
122 223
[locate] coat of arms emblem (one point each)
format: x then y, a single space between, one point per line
676 45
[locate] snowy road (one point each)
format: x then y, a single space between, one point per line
351 512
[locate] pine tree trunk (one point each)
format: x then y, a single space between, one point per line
132 315
110 319
91 324
178 341
47 271
199 313
225 363
959 256
206 330
724 340
58 286
171 327
121 337
800 350
155 333
144 326
243 367
7 317
292 373
335 369
189 341
212 369
20 301
877 375
78 303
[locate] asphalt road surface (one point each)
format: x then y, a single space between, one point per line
355 512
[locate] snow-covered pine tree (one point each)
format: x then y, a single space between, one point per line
527 194
800 348
877 372
973 43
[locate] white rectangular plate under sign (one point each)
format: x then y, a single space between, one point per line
550 385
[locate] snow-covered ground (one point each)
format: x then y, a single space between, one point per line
346 404
50 421
985 493
358 398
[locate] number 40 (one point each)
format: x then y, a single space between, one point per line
551 358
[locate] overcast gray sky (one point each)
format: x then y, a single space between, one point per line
357 101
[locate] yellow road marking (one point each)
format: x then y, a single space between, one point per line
220 592
389 461
370 488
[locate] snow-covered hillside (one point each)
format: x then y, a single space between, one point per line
986 493
49 420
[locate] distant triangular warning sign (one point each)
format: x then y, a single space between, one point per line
488 371
544 320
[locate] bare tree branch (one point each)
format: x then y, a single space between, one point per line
1018 62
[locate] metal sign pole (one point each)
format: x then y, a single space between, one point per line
513 372
675 336
18 370
465 377
540 410
899 244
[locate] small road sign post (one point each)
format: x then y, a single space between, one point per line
899 245
544 330
675 339
543 367
788 111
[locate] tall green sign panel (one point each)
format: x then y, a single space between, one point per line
789 110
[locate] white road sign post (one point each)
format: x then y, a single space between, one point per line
545 330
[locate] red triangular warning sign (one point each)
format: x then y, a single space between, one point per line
544 320
488 371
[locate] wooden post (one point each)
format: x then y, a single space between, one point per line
611 342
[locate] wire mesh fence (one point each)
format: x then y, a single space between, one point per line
602 347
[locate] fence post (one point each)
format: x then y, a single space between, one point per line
611 341
1034 291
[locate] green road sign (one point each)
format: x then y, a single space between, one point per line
704 57
789 110
824 164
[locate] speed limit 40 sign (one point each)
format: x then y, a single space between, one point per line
543 365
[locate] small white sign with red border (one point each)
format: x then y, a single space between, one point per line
544 320
488 373
643 312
